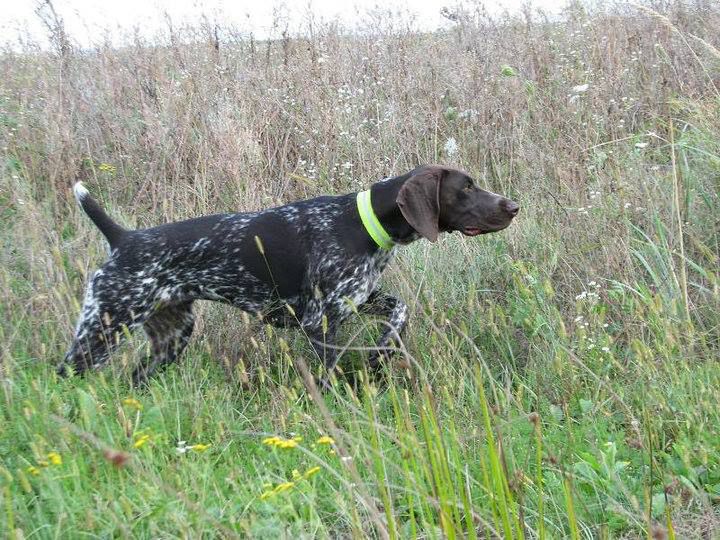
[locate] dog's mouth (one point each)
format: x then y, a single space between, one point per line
472 231
475 231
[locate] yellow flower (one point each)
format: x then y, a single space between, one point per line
326 440
283 487
106 167
311 471
271 441
140 442
33 470
132 402
280 442
200 447
54 458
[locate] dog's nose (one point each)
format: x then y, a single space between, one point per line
511 207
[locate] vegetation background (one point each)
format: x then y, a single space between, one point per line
558 379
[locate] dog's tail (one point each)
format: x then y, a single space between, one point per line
112 231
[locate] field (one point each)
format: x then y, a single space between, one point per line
558 379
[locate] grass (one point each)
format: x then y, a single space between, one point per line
558 379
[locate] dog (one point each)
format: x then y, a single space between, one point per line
309 264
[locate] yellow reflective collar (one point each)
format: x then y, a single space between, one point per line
371 222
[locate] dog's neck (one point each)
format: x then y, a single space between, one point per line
383 195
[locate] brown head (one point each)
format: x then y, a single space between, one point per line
439 199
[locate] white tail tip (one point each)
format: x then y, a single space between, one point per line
80 192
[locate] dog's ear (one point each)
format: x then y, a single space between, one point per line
419 201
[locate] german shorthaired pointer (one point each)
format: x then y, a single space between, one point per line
309 264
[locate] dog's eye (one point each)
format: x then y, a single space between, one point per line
468 188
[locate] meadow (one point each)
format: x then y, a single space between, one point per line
558 379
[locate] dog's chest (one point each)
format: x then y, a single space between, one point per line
356 281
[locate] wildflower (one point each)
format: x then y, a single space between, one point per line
310 472
282 443
283 487
451 147
54 458
641 145
326 440
606 349
106 167
33 470
200 447
133 403
140 441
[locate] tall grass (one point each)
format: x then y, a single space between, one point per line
558 379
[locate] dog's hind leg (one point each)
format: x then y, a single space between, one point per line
104 321
169 330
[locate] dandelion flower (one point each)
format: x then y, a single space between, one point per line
282 443
133 403
33 470
200 447
310 472
140 442
271 441
54 458
326 440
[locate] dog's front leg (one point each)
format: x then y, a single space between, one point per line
396 312
321 329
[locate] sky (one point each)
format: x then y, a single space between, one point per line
88 20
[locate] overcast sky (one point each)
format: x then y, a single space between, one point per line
85 19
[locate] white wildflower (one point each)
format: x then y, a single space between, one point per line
581 88
451 147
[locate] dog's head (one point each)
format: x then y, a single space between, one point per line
438 199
